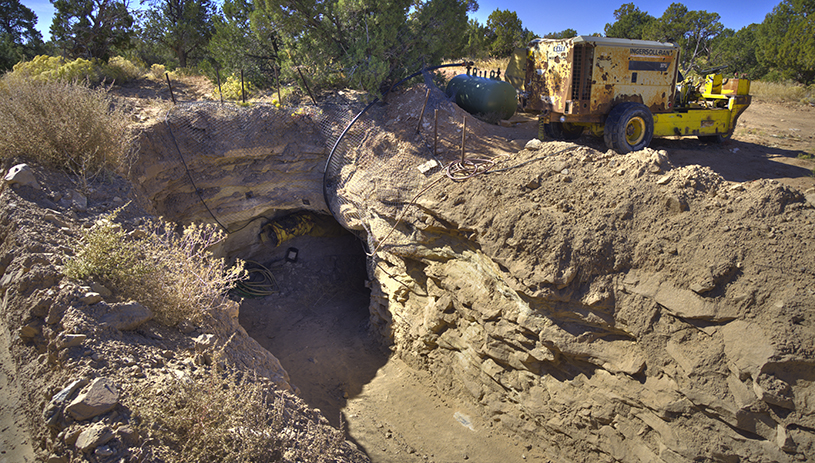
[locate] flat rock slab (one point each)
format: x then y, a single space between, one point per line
101 397
96 435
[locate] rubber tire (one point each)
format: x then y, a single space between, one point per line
629 127
718 138
563 131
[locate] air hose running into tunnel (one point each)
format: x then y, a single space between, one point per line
259 282
331 161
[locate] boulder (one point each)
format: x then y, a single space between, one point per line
21 174
126 316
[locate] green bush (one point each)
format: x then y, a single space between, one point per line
62 125
107 253
172 273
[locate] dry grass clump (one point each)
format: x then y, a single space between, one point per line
172 273
62 125
783 92
218 417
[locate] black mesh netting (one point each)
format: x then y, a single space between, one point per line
378 154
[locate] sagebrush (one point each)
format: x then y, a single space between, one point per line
215 418
229 417
190 280
172 273
63 125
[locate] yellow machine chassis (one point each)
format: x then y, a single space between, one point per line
718 119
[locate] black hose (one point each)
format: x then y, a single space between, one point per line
354 120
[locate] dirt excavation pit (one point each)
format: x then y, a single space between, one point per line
318 325
571 305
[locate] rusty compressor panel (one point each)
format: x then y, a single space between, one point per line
623 90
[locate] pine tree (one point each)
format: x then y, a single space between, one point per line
506 32
19 40
182 26
630 22
91 28
369 44
786 40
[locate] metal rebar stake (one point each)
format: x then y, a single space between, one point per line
218 76
172 97
243 92
421 115
463 137
435 132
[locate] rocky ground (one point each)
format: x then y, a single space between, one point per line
574 305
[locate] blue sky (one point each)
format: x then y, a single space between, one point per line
589 16
542 17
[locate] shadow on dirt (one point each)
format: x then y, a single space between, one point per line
317 325
734 160
186 90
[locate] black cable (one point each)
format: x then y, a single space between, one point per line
431 68
189 175
354 120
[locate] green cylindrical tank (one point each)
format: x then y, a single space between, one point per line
478 95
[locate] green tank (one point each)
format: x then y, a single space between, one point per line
479 95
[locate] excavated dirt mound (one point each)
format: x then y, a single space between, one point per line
571 305
612 307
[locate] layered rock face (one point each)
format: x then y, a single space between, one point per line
610 308
221 163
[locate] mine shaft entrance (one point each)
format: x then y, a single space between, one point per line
317 322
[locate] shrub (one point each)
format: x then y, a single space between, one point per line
62 125
190 279
121 70
783 92
50 68
231 89
227 418
171 273
157 72
107 253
